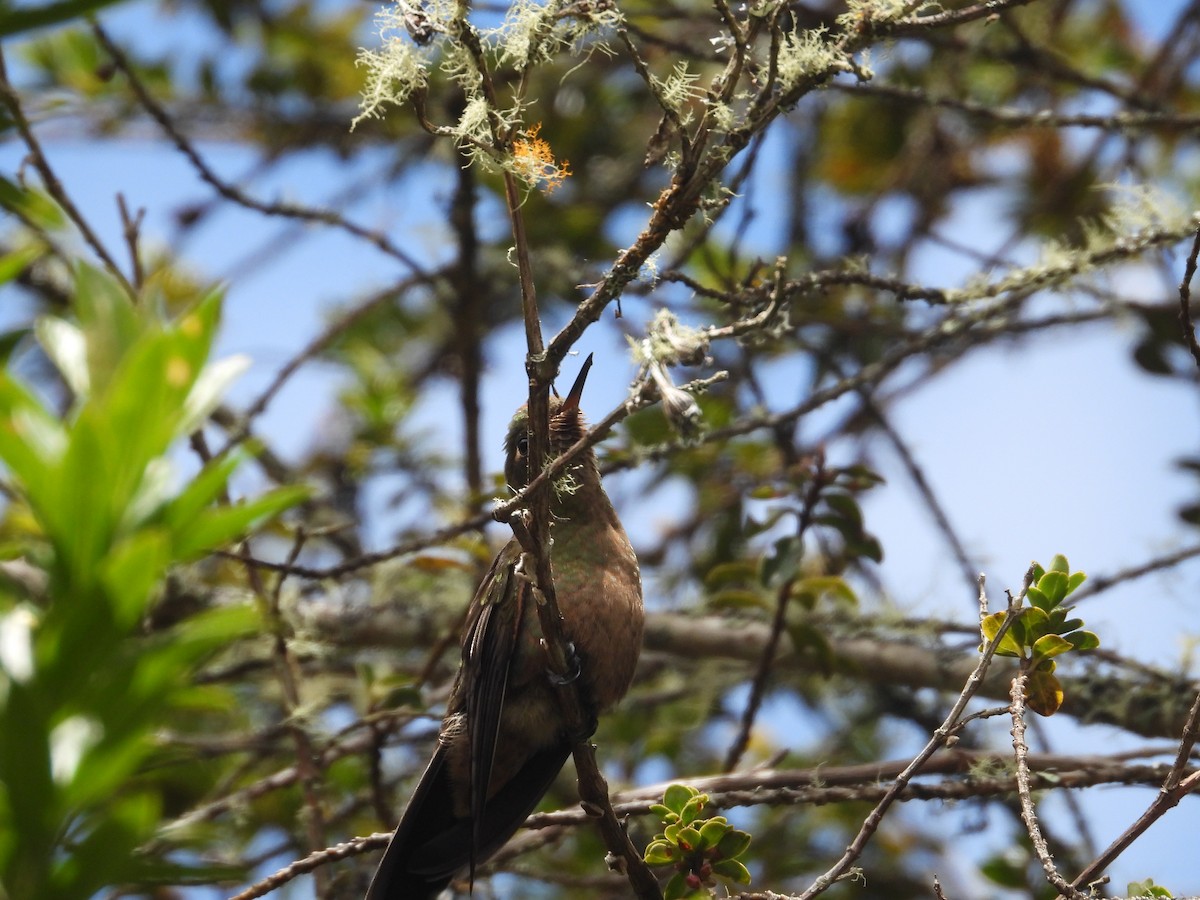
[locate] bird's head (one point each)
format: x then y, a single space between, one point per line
566 427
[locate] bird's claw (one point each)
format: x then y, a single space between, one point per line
575 667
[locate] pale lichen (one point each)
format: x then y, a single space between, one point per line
534 31
678 89
394 72
859 12
808 55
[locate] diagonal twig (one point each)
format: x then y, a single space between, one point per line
940 737
1185 301
285 210
54 187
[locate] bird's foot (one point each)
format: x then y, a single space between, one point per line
574 667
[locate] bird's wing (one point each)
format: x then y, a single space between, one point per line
489 645
409 869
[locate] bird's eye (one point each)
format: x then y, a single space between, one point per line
523 445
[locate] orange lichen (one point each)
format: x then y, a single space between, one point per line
534 163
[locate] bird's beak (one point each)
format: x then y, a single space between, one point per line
572 402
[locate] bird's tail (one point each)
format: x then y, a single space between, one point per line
431 845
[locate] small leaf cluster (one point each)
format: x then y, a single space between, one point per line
837 508
700 850
1042 631
819 497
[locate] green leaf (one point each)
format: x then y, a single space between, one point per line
1038 599
1083 640
990 626
1004 872
689 838
1147 888
1018 631
733 844
17 261
130 572
692 809
217 527
30 204
866 547
712 831
818 586
1050 645
31 441
732 869
739 571
106 855
659 853
845 507
109 321
1060 564
738 598
1054 585
15 21
206 487
215 628
677 796
861 477
661 811
677 888
1036 623
783 562
1076 579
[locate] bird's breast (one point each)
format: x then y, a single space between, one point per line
599 590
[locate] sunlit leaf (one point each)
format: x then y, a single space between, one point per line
1050 645
1054 586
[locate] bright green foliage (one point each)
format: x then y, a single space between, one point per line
1147 888
83 688
700 850
1042 631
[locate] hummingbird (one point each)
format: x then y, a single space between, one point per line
503 739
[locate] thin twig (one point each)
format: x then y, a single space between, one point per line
949 727
1103 583
289 680
284 210
313 863
783 595
310 351
1174 788
1117 121
132 227
1185 301
947 19
1024 791
54 187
